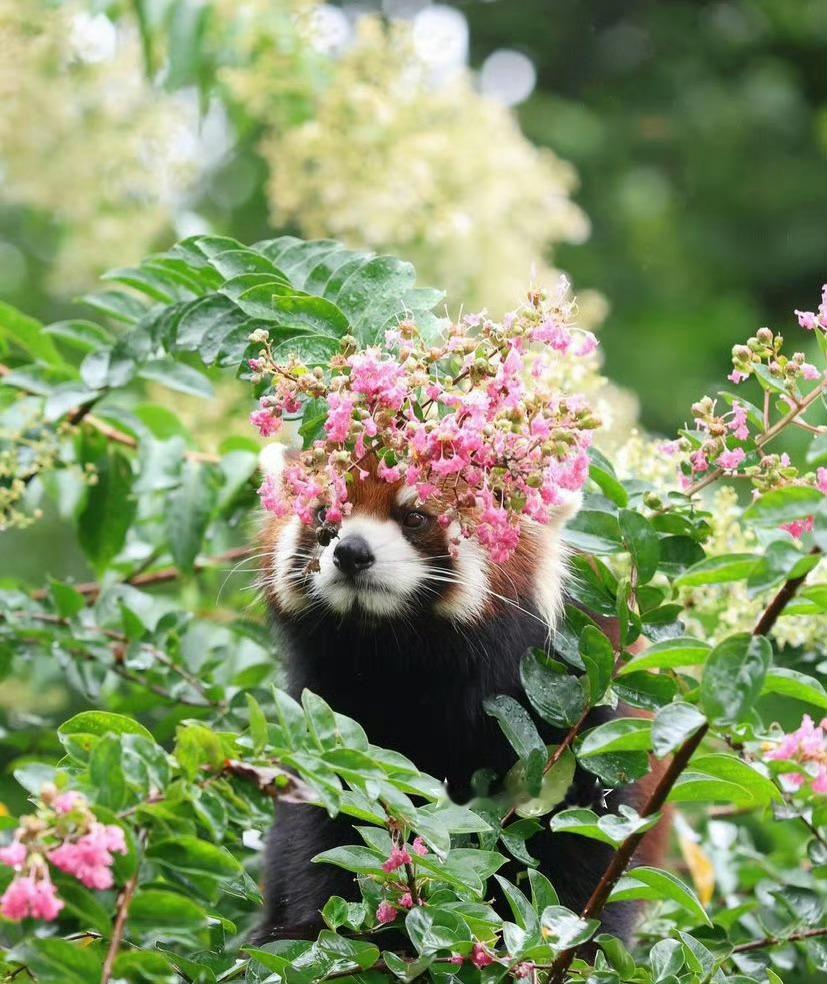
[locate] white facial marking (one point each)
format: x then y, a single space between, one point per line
466 600
553 567
285 581
384 588
406 496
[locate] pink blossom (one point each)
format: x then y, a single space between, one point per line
66 802
798 527
29 897
13 855
272 496
807 746
524 969
821 480
458 960
386 913
737 377
738 424
809 371
89 858
406 901
256 364
266 422
340 416
420 847
699 462
398 857
480 957
730 460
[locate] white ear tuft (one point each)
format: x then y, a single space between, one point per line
271 459
567 509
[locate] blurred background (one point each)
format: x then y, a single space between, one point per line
671 158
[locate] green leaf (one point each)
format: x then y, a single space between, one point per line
653 883
610 829
595 650
516 724
67 601
543 893
606 481
362 860
106 772
28 334
554 784
563 929
617 768
721 778
107 515
191 855
645 690
666 958
434 928
158 909
594 532
734 677
642 543
669 654
359 952
100 723
791 683
619 735
672 726
56 961
556 695
258 723
188 513
783 505
177 376
718 570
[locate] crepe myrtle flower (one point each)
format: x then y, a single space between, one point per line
807 747
464 422
65 833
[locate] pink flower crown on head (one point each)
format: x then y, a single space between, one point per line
468 421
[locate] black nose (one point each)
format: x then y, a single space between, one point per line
352 554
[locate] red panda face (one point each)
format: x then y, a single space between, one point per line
390 558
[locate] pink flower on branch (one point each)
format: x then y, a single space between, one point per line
30 897
464 421
386 913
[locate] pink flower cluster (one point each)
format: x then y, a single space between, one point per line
815 320
64 832
733 441
465 422
807 746
398 858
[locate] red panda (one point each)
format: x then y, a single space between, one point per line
408 632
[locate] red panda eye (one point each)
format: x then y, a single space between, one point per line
415 520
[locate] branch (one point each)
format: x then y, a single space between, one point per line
622 857
91 589
124 901
766 437
780 601
807 934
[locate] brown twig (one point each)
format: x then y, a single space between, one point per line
622 857
807 934
91 589
780 601
766 437
124 901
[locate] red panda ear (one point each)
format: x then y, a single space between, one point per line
273 458
566 510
